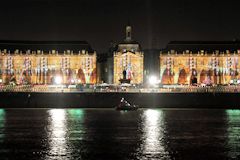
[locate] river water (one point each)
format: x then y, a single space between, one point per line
106 134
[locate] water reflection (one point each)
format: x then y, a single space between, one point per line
76 120
2 118
107 134
57 137
2 124
153 134
233 133
76 113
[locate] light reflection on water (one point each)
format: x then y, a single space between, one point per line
65 128
108 134
233 133
57 137
2 123
75 124
153 134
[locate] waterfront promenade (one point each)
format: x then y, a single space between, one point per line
185 97
118 88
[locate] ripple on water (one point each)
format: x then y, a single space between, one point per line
109 134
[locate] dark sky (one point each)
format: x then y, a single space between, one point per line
154 22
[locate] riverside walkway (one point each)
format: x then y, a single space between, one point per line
166 89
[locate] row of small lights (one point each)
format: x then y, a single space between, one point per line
152 80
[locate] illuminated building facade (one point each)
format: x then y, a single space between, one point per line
200 62
40 62
128 61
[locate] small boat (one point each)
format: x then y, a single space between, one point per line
124 105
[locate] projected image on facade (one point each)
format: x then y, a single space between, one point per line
48 63
128 61
205 67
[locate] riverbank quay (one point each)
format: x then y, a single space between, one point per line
111 99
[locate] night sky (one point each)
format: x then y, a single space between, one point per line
154 22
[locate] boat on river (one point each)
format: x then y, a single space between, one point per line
125 105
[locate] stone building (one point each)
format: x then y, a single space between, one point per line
128 60
41 62
209 62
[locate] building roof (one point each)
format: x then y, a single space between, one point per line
208 46
131 45
45 46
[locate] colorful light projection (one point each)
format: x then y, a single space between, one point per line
131 64
87 72
43 68
207 68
